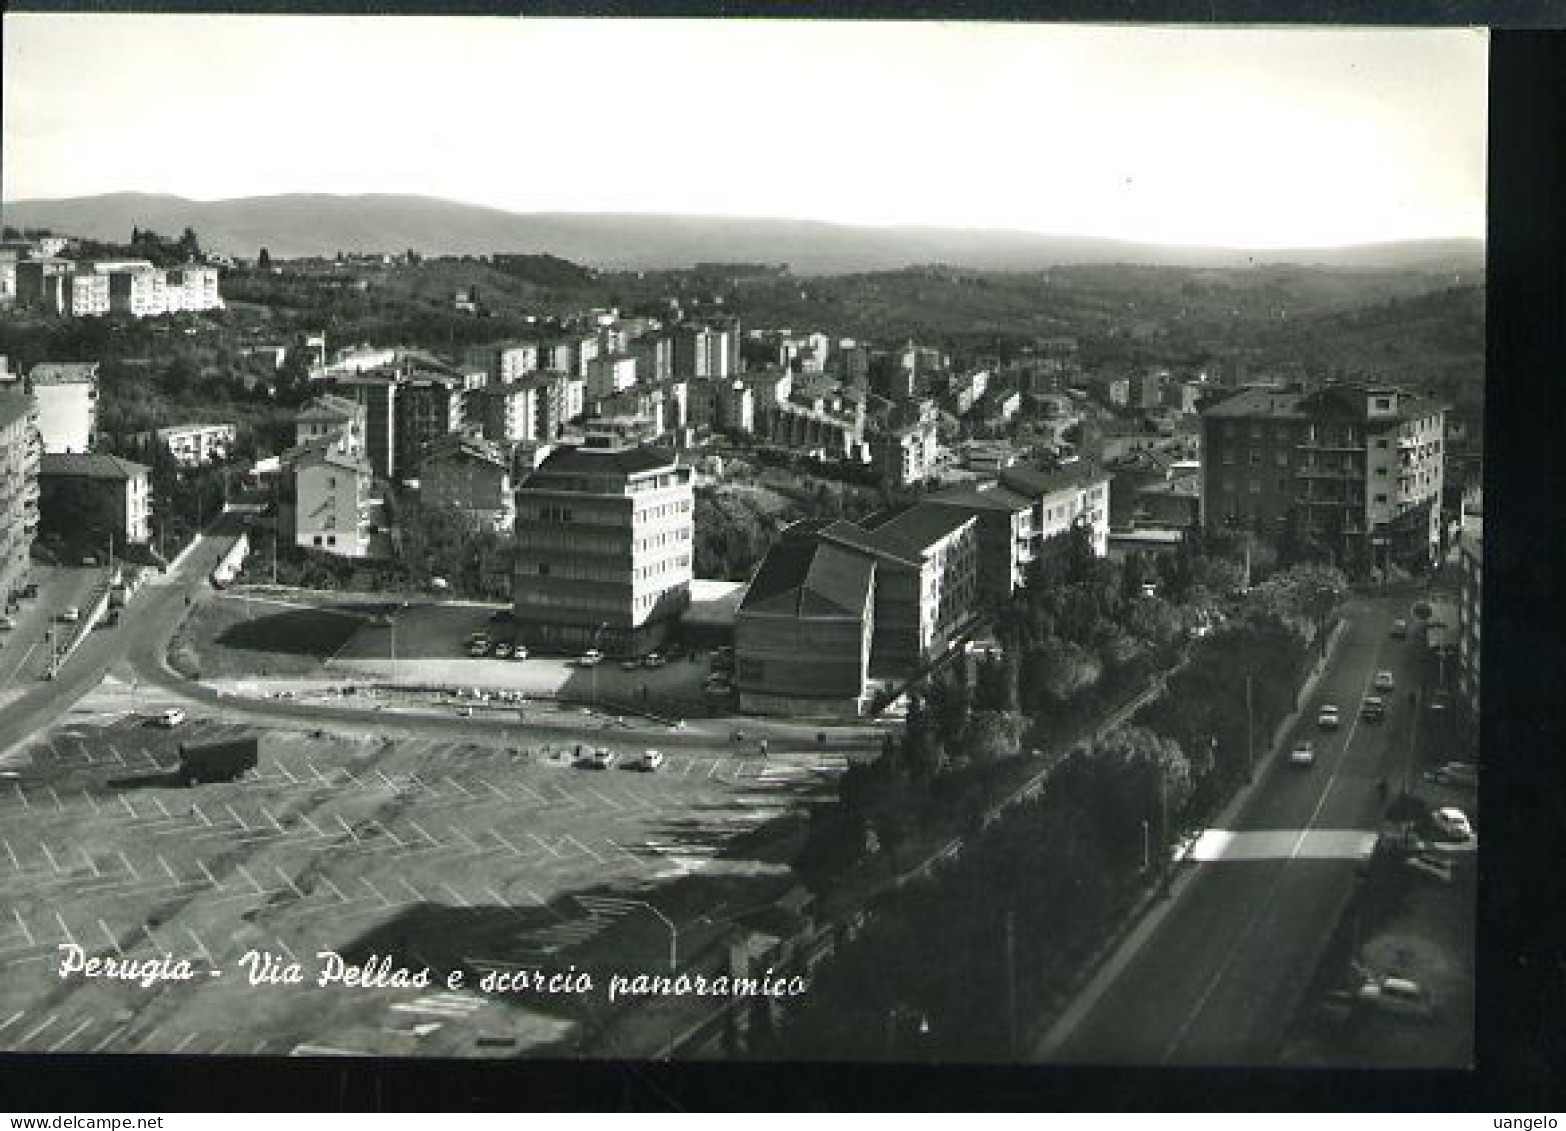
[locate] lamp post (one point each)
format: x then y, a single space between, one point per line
597 635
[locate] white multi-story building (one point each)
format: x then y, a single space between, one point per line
192 445
66 393
332 504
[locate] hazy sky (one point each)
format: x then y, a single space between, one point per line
1246 138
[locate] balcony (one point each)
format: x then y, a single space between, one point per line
1332 444
1310 471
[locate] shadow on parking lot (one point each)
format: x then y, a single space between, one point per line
298 632
165 779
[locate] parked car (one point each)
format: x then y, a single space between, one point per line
1399 630
1303 754
502 651
1373 709
7 623
71 614
1384 681
590 658
654 660
1453 823
478 648
1327 718
603 758
650 760
1401 997
171 717
519 651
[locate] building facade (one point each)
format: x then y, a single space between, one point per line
1358 469
804 631
21 455
66 393
604 539
192 445
470 475
1470 591
86 483
331 498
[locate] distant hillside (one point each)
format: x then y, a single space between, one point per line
304 224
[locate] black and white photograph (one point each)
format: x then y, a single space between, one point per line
743 541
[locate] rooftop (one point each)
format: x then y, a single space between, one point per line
329 406
982 497
1036 482
606 461
907 537
90 465
806 578
64 373
458 445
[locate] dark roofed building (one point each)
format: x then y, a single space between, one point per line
804 631
82 491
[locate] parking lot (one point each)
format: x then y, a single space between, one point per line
436 853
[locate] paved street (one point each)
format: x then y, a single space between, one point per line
1216 982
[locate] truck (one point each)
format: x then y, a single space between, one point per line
224 760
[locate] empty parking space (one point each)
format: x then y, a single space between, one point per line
421 847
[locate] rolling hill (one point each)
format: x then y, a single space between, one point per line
318 224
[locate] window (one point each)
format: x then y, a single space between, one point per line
331 539
1254 486
1256 458
317 539
1381 498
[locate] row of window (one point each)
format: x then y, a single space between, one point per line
655 541
664 510
644 573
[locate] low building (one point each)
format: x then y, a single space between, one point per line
66 393
192 445
926 585
804 632
21 455
470 475
92 494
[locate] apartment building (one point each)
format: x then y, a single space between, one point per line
610 374
905 451
77 484
330 416
604 539
375 393
506 414
44 284
654 354
804 631
21 455
89 296
192 445
926 583
706 351
430 406
1357 467
504 362
331 504
1076 495
471 475
66 393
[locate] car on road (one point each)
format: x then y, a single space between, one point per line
654 660
630 665
650 760
1384 681
478 648
1457 773
1452 823
1303 754
1327 718
519 651
171 717
1373 709
7 623
502 650
1401 997
590 658
603 758
71 614
1400 630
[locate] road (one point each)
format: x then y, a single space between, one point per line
1216 982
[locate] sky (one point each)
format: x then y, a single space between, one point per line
1253 138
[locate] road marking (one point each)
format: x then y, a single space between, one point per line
337 891
461 902
188 1039
545 846
515 851
288 950
108 934
240 820
418 828
53 863
352 835
276 824
196 812
287 880
167 869
459 788
16 865
376 891
584 848
245 872
417 895
207 872
65 1040
12 1020
201 946
35 1032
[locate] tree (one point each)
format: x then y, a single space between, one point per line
993 735
1058 670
